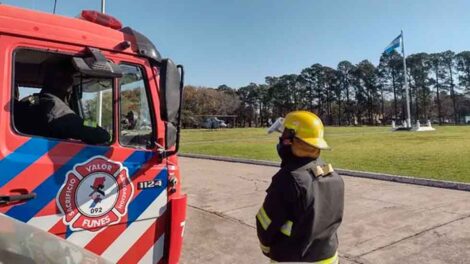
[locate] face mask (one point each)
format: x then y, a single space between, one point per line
283 150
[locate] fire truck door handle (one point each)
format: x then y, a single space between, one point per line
6 199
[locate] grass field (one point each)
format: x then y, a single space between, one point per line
442 154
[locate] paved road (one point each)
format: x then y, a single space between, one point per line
384 222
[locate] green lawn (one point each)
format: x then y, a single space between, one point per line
442 154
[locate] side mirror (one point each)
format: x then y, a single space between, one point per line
171 95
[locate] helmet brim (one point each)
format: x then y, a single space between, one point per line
319 143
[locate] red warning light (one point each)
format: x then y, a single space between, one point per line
101 19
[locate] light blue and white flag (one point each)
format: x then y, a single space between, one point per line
393 45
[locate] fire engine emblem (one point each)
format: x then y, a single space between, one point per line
95 194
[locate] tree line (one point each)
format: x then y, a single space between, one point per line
350 94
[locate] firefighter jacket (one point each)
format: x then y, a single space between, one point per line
302 211
54 118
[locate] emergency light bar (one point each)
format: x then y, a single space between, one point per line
101 19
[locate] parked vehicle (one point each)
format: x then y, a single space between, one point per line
214 122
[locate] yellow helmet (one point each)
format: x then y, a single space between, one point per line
307 127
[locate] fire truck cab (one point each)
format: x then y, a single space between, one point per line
119 197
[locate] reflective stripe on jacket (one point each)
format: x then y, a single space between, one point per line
332 260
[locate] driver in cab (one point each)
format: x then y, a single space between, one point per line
56 118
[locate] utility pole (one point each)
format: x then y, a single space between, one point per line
99 108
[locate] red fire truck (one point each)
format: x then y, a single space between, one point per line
120 199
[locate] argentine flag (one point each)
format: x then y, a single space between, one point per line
393 45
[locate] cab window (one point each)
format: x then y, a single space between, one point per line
52 99
136 128
97 94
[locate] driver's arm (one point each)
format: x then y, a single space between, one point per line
71 126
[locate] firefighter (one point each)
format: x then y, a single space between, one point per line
303 207
57 119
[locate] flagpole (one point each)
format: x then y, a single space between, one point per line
408 116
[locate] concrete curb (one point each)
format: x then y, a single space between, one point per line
361 174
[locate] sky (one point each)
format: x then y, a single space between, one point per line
235 42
